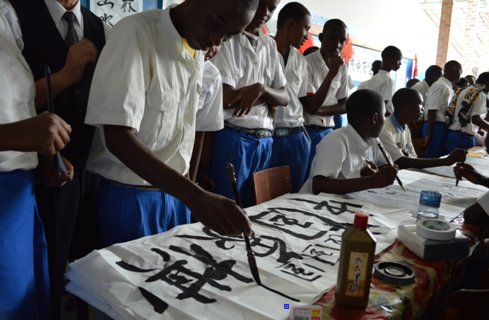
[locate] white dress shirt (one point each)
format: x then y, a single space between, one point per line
17 100
317 71
210 114
240 66
383 84
296 74
439 96
422 87
396 139
342 154
478 109
148 81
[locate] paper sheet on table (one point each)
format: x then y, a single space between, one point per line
191 272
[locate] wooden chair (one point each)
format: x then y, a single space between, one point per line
466 304
271 183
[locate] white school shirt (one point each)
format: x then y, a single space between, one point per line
146 80
9 24
317 70
383 84
478 109
439 96
422 87
210 114
295 71
16 100
241 66
396 138
342 154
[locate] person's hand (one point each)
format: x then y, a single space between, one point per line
384 177
44 134
369 169
246 98
464 170
427 141
334 64
79 55
220 214
52 177
457 155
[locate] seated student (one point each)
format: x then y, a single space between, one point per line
396 137
349 159
478 213
469 113
382 82
146 119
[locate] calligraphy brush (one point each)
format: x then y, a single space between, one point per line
58 162
458 179
249 251
389 163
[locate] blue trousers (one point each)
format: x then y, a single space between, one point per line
292 151
128 213
247 153
458 139
316 137
24 276
438 144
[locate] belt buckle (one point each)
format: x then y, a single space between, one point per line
281 132
260 133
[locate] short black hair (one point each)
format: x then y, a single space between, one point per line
391 52
451 64
433 70
361 104
333 24
404 96
293 10
483 78
376 65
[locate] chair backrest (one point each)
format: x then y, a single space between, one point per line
271 183
466 304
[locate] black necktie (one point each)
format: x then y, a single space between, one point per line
71 36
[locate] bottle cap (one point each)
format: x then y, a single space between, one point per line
361 220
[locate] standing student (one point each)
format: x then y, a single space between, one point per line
291 146
439 96
349 159
396 137
432 74
376 66
327 84
24 278
470 109
146 119
253 85
209 118
382 82
67 38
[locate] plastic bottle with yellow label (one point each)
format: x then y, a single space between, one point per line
355 267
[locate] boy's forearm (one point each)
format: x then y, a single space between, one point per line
420 163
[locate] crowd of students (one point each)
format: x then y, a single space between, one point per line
149 120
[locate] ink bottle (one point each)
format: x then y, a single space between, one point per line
355 266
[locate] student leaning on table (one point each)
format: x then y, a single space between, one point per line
396 137
349 159
147 119
478 213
